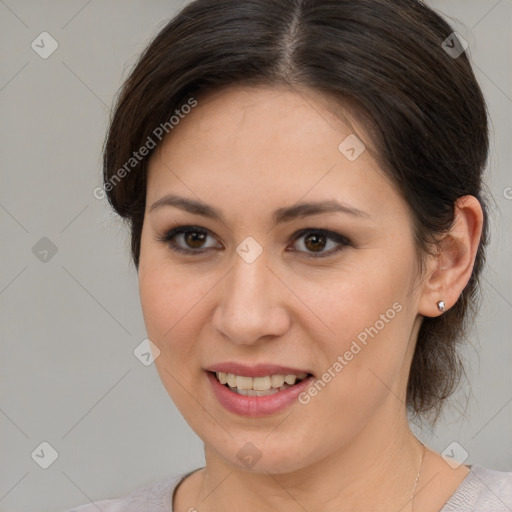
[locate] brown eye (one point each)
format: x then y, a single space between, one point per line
315 241
188 239
194 239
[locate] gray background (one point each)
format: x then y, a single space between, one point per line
69 325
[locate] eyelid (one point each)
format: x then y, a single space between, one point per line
339 239
181 229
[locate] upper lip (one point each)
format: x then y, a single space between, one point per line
259 370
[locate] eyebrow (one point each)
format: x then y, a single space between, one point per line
280 215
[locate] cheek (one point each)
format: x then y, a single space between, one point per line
369 310
166 291
171 313
357 296
168 301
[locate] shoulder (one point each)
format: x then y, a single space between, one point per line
483 490
156 497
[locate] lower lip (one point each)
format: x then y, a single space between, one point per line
256 405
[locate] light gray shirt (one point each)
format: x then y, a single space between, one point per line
483 490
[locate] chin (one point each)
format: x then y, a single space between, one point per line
259 454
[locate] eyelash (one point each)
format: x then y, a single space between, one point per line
329 235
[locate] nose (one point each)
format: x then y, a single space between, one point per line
252 303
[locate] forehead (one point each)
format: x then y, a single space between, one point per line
273 123
266 144
242 114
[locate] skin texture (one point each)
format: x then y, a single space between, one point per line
247 152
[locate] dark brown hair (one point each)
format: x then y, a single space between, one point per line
390 58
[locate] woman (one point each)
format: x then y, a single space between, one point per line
303 184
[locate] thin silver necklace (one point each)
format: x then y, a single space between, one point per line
418 477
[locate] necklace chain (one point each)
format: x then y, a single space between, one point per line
418 476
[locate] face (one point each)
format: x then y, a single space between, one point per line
265 288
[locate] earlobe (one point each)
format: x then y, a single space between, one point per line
451 269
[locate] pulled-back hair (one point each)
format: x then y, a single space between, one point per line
397 63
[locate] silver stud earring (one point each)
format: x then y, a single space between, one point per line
441 306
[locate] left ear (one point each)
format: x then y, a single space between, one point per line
450 270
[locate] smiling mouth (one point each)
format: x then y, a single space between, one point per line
259 386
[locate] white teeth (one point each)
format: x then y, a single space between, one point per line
290 379
243 382
268 392
252 392
259 386
261 383
231 380
277 381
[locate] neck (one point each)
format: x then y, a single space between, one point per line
375 471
